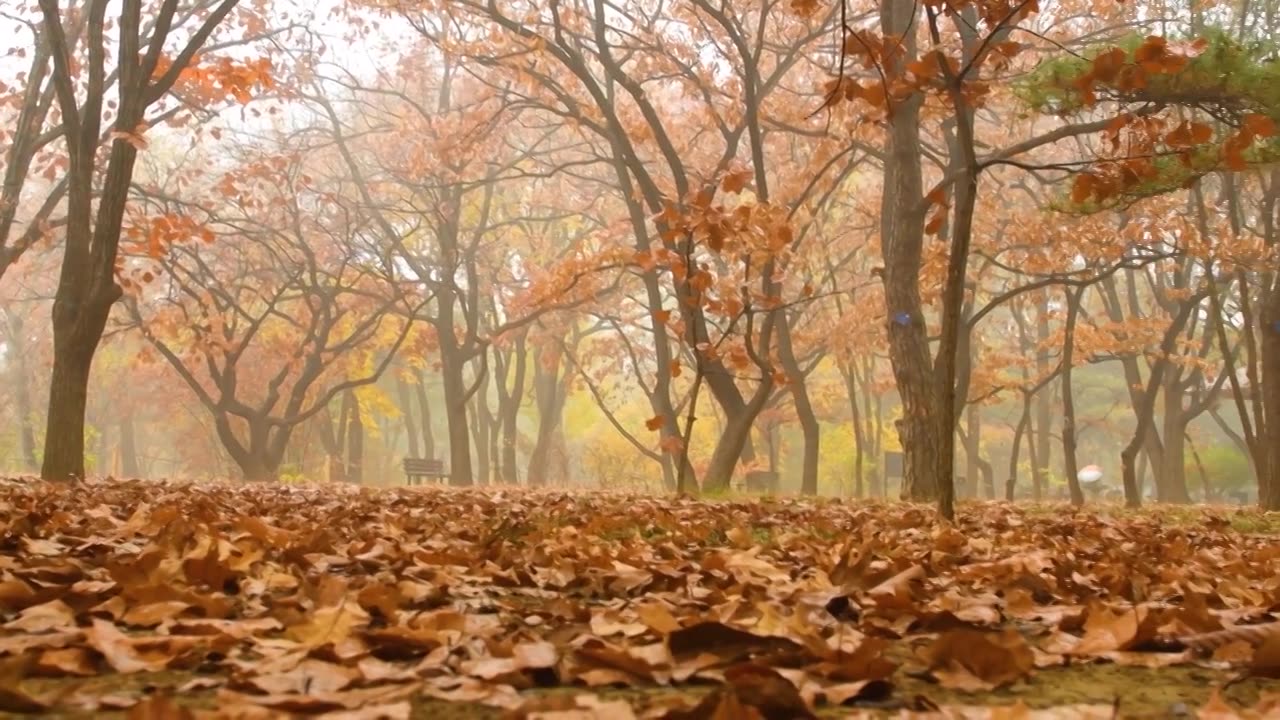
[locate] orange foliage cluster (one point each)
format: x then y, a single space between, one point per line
221 79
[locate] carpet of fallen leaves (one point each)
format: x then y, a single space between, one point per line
271 601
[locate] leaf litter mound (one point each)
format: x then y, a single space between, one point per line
247 601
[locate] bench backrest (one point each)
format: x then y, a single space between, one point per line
417 466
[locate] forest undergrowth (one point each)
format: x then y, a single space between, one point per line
155 600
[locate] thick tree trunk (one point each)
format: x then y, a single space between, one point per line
455 405
724 459
902 220
1171 483
259 469
75 342
1145 411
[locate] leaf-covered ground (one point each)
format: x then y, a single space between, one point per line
152 600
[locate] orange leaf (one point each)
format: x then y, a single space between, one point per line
1083 187
1259 125
675 368
1201 133
654 422
935 221
735 182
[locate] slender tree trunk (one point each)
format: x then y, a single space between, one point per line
546 393
428 432
355 440
1043 426
405 400
511 414
876 411
20 381
480 432
1023 421
1171 486
804 412
859 432
128 447
1206 486
1069 461
1269 472
973 447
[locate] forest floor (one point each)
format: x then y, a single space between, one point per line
152 600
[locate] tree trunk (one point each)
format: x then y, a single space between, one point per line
355 440
1043 427
859 432
973 447
1171 484
1269 473
20 381
428 433
511 414
804 411
128 447
75 342
902 220
1023 421
546 393
480 431
405 401
1205 485
1069 460
1146 409
455 406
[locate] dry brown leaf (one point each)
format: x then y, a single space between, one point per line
973 660
158 707
330 624
310 676
1266 658
65 661
153 614
45 617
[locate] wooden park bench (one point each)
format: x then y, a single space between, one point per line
415 469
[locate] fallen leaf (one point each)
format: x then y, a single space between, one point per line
973 660
45 617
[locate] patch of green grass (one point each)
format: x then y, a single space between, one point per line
762 536
1141 693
